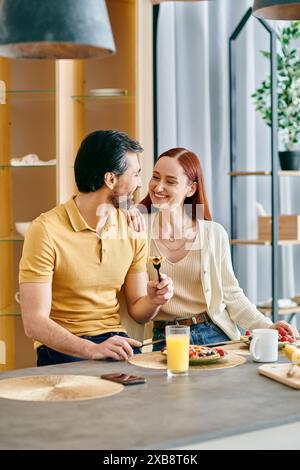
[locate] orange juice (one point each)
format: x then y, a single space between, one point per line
178 353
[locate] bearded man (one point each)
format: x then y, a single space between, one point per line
77 256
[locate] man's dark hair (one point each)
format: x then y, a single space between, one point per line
99 153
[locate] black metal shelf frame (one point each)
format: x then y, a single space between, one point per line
274 149
155 112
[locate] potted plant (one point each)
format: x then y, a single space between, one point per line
288 76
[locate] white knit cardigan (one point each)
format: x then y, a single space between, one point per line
227 304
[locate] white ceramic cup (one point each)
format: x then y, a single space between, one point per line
17 297
264 345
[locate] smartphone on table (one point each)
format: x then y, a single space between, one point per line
124 379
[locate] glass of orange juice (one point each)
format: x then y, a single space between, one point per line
178 341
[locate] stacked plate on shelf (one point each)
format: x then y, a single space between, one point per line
108 92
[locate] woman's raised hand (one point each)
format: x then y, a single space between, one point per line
135 219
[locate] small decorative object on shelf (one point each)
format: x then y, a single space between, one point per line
260 209
2 352
31 160
22 227
296 299
2 92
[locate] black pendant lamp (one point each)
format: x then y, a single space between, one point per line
55 29
277 9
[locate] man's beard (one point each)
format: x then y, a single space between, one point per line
122 202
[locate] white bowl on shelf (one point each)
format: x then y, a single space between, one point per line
21 227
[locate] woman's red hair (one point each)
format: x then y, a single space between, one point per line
193 170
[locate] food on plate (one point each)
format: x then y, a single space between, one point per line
283 337
201 352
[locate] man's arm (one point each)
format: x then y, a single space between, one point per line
145 298
36 301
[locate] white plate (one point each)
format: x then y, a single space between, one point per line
282 303
108 92
281 344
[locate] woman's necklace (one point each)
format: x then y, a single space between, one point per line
173 237
179 244
174 247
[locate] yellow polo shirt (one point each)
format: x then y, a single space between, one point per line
86 270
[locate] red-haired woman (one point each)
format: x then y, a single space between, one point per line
196 252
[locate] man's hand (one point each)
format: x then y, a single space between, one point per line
117 347
288 328
161 292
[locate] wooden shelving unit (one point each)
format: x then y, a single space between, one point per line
48 111
263 173
281 311
11 238
264 242
10 311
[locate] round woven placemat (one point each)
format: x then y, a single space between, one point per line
243 349
155 360
57 388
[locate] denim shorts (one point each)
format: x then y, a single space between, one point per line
48 357
203 333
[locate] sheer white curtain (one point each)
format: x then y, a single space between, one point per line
193 103
193 112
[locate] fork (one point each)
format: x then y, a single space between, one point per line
156 261
157 267
153 342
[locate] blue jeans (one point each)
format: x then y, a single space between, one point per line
48 357
204 333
